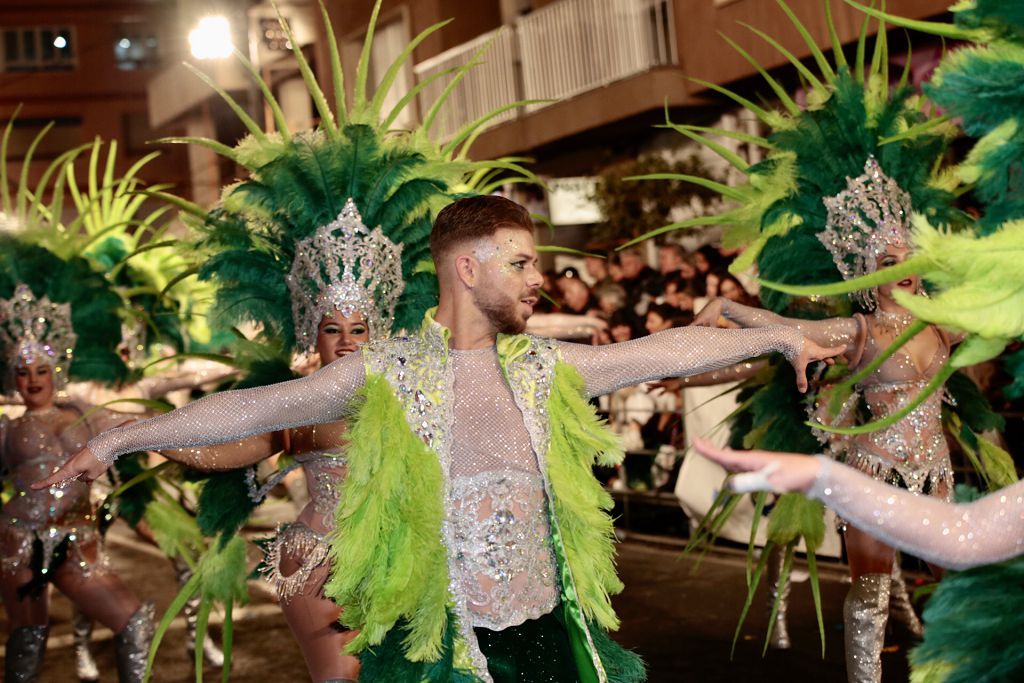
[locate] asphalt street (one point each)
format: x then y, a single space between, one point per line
681 618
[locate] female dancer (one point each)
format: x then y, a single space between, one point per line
297 559
911 453
51 535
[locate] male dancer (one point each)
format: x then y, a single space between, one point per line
472 539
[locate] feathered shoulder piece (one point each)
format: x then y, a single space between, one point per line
338 217
800 212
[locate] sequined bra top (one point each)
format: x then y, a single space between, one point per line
33 446
917 439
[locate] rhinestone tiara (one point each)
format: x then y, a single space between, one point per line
872 213
348 267
34 329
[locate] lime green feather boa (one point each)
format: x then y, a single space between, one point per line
389 563
386 554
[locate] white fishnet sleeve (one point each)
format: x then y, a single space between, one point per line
229 415
961 536
674 353
828 332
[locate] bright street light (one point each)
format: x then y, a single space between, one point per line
211 38
60 42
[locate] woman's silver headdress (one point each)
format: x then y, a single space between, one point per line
872 213
34 329
348 267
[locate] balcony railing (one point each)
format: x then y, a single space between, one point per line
491 84
561 50
573 46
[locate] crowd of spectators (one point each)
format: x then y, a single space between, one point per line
634 299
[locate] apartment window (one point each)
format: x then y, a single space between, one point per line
273 35
136 47
38 48
137 133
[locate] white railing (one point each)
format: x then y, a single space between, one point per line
490 85
561 50
573 46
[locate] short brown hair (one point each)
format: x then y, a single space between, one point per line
472 218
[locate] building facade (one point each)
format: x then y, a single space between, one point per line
85 66
597 72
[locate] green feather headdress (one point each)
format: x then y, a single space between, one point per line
850 115
982 84
300 182
979 283
38 250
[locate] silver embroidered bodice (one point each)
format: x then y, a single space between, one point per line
987 530
33 446
325 474
501 558
505 563
915 447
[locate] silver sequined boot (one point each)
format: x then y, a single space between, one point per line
865 613
901 610
24 654
780 631
211 653
131 645
85 665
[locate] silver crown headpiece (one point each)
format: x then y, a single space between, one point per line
348 267
34 329
872 213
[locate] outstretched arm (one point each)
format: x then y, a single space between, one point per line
227 416
686 351
224 456
987 530
846 332
227 456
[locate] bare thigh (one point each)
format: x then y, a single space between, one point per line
25 611
867 554
313 620
100 593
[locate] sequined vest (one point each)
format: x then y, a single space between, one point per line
418 370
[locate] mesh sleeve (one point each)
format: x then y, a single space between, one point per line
229 415
674 353
829 332
987 530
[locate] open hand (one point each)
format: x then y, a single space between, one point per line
763 470
83 465
811 353
709 315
